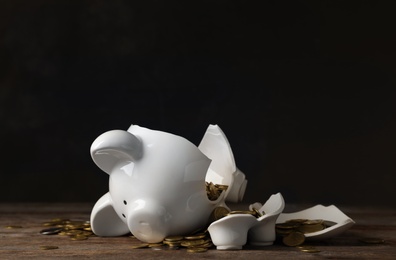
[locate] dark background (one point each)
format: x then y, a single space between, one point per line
304 91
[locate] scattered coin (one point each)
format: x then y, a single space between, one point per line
51 231
79 237
48 247
295 238
13 226
197 249
75 229
303 226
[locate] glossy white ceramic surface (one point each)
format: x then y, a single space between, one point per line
330 213
222 169
234 231
263 234
156 185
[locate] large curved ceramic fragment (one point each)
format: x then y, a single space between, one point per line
329 213
264 234
222 169
233 231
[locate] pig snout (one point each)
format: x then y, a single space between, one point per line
147 220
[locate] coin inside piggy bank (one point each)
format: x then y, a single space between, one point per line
157 182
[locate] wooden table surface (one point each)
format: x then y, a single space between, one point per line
24 240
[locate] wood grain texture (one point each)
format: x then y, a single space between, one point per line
25 242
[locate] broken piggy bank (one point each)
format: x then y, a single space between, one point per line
157 182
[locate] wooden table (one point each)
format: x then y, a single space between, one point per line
24 241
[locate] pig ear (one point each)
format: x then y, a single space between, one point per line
104 219
115 146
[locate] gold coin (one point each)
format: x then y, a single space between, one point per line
48 224
79 237
206 245
86 233
309 228
196 236
51 231
143 245
372 240
287 225
48 247
257 212
74 226
295 238
59 219
13 226
172 243
220 212
73 232
197 249
174 238
189 243
155 244
221 187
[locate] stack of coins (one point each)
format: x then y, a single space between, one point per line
75 229
292 231
196 243
214 190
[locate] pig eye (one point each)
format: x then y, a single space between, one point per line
123 215
125 202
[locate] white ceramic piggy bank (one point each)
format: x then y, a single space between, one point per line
156 185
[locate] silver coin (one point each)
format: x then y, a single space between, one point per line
51 231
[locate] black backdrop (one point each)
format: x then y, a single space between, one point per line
304 91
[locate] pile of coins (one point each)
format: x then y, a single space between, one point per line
293 230
214 190
196 243
75 229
